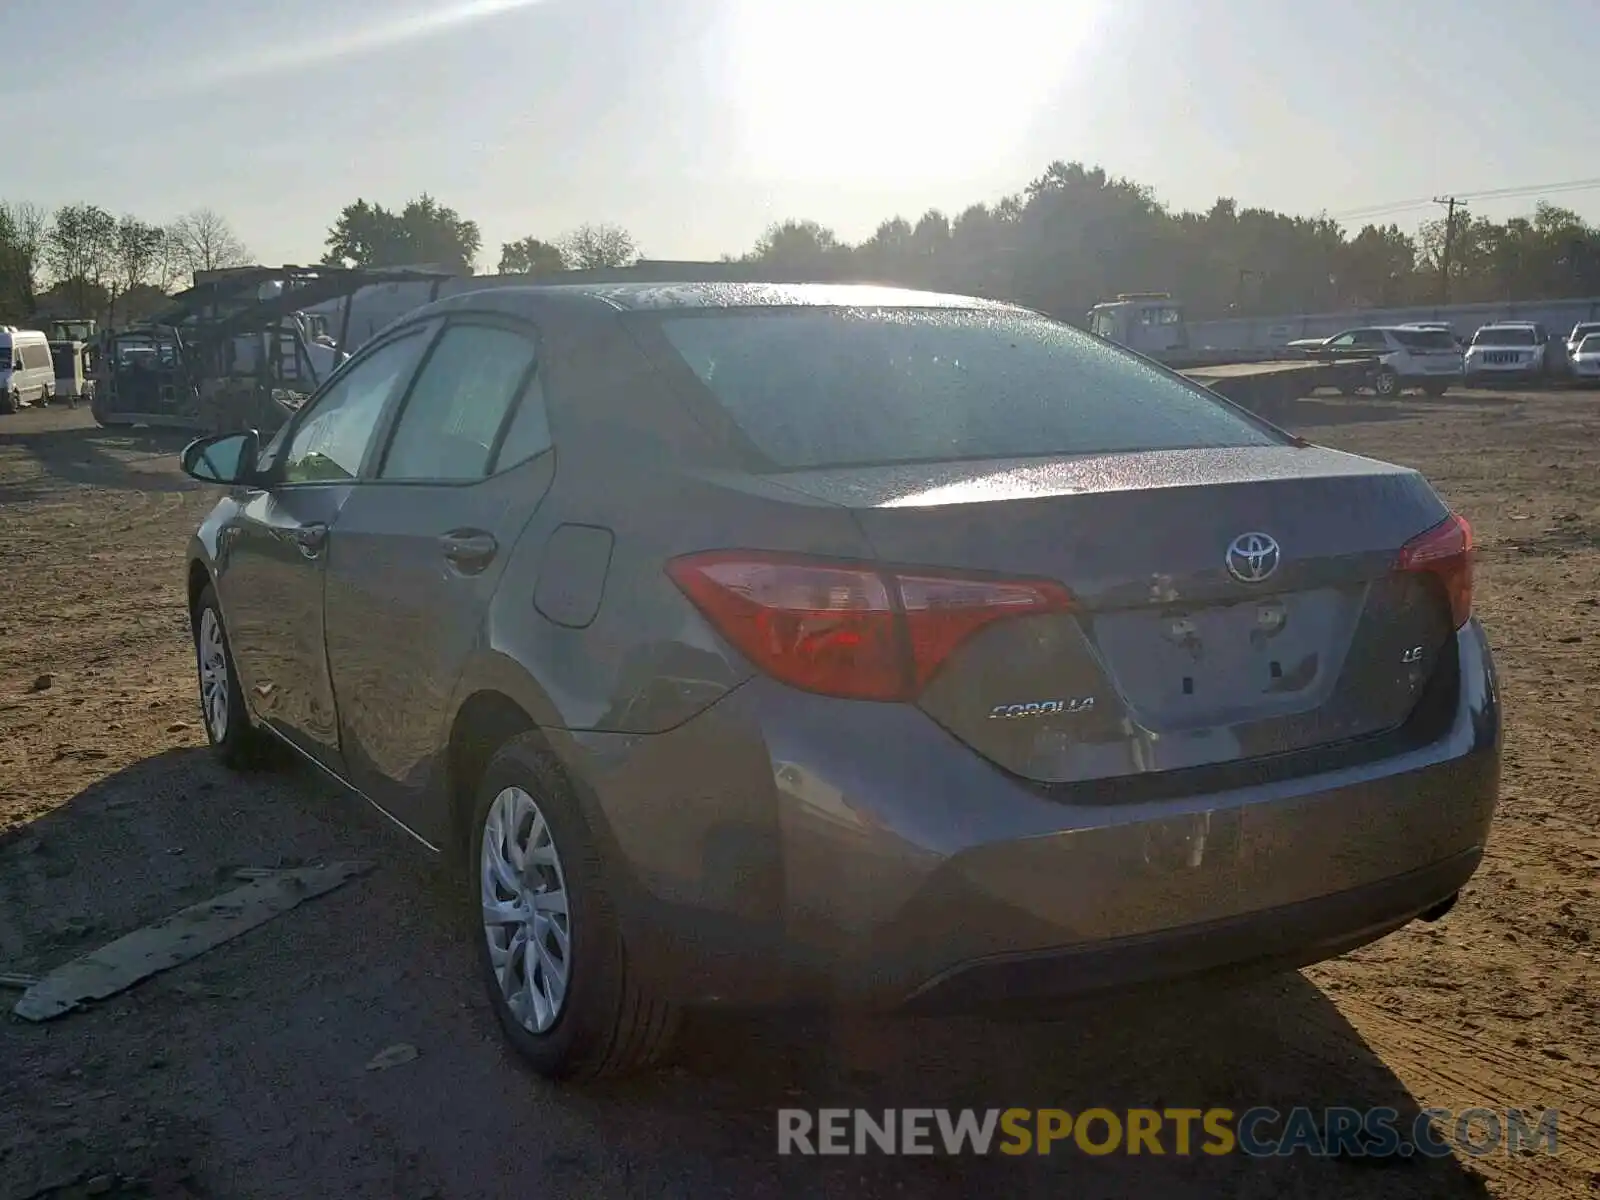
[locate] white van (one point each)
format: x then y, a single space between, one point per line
27 370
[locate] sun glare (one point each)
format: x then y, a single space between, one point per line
887 90
335 45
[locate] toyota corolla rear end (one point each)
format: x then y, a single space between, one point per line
1108 682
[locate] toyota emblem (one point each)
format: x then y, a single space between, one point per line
1253 557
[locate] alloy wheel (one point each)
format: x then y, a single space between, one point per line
213 655
526 920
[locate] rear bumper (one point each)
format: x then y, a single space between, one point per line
787 848
1282 938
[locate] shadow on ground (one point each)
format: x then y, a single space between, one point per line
245 1072
96 457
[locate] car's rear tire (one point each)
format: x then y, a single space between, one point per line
1436 389
534 878
234 738
10 402
1386 384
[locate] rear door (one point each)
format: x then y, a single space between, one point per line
418 550
273 555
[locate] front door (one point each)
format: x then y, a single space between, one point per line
418 551
274 552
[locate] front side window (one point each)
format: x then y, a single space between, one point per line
453 415
330 444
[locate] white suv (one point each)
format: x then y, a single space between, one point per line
1580 331
1509 350
1407 356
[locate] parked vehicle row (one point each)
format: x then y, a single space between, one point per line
1428 356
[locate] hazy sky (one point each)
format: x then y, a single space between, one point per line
696 123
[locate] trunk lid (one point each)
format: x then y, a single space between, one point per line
1231 603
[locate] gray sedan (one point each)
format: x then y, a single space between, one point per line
762 644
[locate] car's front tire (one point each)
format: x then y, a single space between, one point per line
1386 384
551 954
233 737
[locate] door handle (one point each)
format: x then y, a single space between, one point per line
469 550
310 539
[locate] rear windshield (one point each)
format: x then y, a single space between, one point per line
1503 337
1424 339
1583 331
846 387
1590 344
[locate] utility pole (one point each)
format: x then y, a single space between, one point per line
1450 203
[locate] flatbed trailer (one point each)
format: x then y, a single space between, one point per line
1269 387
1266 382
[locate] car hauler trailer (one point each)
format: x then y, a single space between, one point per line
1266 382
237 350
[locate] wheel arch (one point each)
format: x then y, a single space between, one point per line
483 722
199 578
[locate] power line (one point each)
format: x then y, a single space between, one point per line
1506 193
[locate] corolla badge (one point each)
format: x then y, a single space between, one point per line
1253 557
1041 708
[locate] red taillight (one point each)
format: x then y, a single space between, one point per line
1445 551
846 630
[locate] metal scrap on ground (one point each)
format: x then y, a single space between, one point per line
179 938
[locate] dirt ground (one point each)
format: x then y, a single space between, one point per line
242 1074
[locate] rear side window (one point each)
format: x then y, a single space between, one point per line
529 432
864 386
453 415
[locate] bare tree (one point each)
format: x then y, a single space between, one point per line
172 260
135 251
590 247
208 241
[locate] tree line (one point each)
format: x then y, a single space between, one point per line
84 260
425 231
1073 236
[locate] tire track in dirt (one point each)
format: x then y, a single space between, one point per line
1445 1068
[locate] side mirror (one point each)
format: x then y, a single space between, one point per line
222 458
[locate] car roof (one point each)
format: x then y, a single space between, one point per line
641 297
